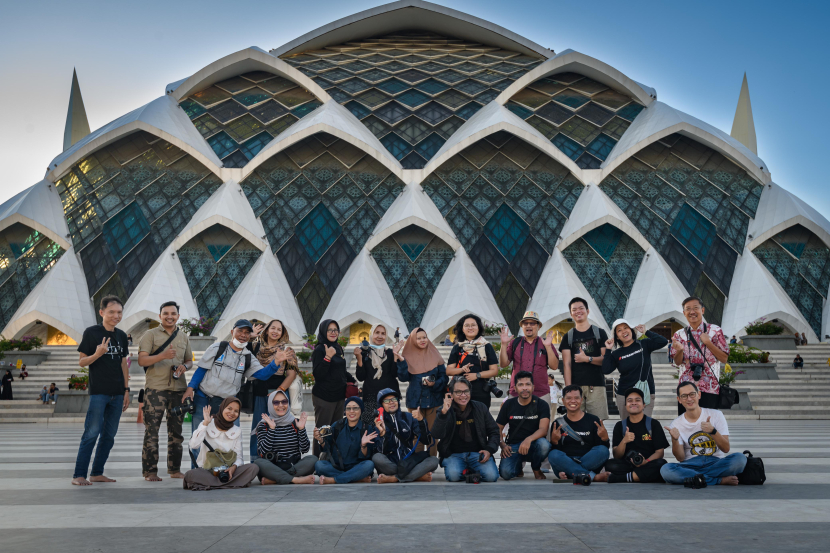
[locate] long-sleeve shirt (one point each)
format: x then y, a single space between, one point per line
634 362
218 440
230 361
347 440
330 377
418 395
366 373
289 441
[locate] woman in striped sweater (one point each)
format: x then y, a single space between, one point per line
281 442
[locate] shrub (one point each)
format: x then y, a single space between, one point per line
308 379
79 382
744 354
26 343
198 326
492 330
304 356
763 327
728 376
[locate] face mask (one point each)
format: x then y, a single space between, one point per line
237 344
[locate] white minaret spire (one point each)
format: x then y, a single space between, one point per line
743 126
77 125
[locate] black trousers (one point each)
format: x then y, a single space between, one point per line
707 400
650 472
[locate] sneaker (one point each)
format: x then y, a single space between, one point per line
695 482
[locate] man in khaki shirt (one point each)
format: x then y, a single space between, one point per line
163 391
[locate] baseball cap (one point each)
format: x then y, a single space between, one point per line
637 391
243 323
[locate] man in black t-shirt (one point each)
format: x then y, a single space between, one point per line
529 418
104 350
578 441
583 349
641 435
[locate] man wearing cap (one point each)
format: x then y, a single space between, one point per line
398 434
637 434
529 352
222 370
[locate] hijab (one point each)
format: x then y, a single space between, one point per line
377 353
420 360
286 420
266 351
356 400
322 336
219 420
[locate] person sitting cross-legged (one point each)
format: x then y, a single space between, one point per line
636 436
700 443
468 435
399 432
578 440
528 418
281 442
348 446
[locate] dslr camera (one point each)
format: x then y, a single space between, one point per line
426 379
582 479
491 387
697 370
222 473
186 407
471 477
635 458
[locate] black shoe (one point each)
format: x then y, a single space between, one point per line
695 482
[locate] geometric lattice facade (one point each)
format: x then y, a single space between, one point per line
413 90
800 262
413 261
215 263
125 203
239 116
583 118
25 257
319 201
507 203
694 206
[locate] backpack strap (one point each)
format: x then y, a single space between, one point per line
220 351
624 426
595 330
570 336
648 424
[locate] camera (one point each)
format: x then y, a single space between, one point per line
471 477
186 407
174 368
582 479
697 370
561 410
222 473
272 456
635 458
490 386
324 431
426 379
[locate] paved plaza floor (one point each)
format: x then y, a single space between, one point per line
41 511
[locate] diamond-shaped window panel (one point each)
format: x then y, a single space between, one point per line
571 98
252 97
393 86
507 231
413 240
412 76
429 146
604 240
268 112
312 301
393 112
432 87
317 231
125 230
433 113
554 113
512 301
413 130
596 114
354 86
333 265
694 231
396 145
227 111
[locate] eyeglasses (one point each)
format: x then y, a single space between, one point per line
691 309
690 395
461 393
390 400
280 402
332 331
352 409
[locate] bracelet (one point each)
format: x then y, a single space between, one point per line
327 359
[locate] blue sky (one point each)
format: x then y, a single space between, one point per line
693 53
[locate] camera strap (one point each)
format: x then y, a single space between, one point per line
571 432
691 338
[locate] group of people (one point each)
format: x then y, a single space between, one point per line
444 420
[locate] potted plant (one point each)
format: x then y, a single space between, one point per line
747 363
198 328
26 349
76 398
766 335
491 332
728 376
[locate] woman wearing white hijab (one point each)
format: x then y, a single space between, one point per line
377 370
281 442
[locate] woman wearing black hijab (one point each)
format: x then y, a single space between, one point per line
6 392
328 365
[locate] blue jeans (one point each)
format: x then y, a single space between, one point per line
360 471
589 463
455 464
712 468
199 403
510 467
260 407
102 418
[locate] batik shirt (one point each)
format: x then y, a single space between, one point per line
709 381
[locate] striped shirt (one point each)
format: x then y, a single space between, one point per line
288 440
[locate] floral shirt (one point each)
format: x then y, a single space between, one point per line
709 381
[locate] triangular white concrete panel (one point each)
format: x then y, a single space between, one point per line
162 117
779 210
594 209
60 299
657 293
412 207
265 295
228 207
165 281
363 294
743 125
754 294
40 208
462 290
557 286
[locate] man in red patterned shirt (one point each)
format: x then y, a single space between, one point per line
712 343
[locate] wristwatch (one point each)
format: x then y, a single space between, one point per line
126 390
590 359
714 431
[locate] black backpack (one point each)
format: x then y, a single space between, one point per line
246 392
753 474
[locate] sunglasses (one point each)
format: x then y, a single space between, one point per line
352 408
280 402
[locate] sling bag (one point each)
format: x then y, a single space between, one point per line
727 397
161 347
